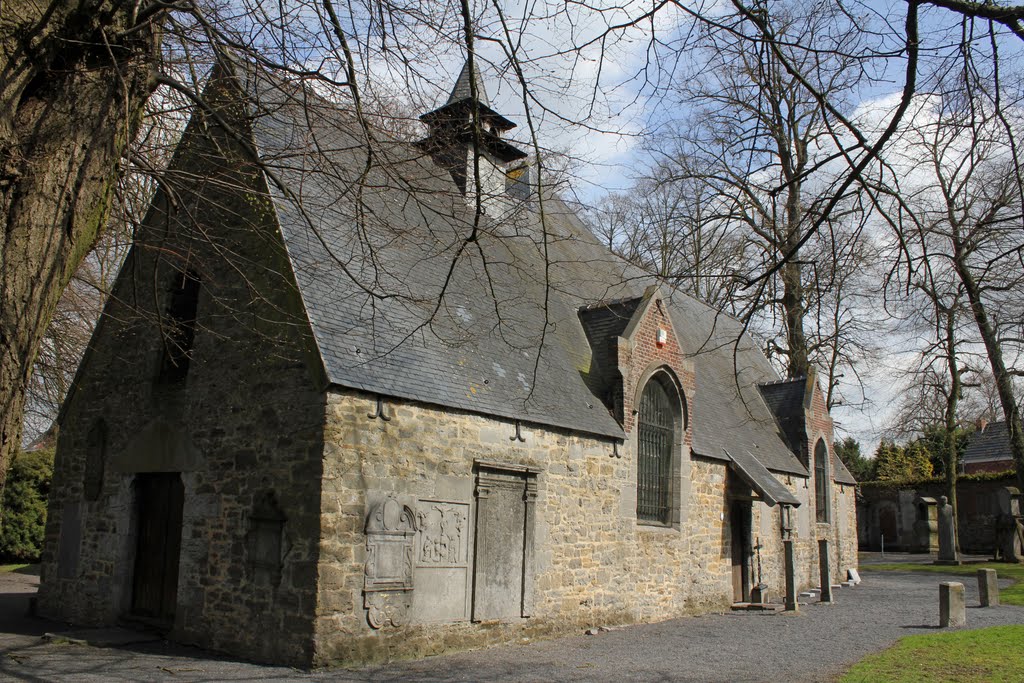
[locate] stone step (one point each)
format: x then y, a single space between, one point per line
756 607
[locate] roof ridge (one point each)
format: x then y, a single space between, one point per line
786 380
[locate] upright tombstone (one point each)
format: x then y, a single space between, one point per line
947 534
786 517
926 526
952 610
1009 527
791 603
825 570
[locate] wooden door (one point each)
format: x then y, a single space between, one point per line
159 500
739 521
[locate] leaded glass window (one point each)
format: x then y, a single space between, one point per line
821 481
655 445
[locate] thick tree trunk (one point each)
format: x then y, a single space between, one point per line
1004 382
73 85
799 363
952 404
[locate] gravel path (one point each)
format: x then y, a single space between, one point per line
815 645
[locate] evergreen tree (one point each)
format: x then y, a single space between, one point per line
24 506
891 462
848 450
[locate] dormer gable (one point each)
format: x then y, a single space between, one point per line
631 340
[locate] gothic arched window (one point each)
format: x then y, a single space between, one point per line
821 481
658 441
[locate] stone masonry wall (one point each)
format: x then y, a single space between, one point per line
593 563
244 429
977 513
841 529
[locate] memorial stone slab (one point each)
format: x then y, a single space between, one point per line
825 570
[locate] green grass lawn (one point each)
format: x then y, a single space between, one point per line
1014 595
988 655
32 569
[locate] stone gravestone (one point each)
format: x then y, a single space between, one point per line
824 571
1009 531
947 534
926 526
952 610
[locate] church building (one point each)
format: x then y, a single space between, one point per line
357 397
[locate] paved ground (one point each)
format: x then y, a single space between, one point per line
815 645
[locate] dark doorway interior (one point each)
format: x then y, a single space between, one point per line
739 521
159 500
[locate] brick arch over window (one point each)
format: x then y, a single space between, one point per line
821 481
661 423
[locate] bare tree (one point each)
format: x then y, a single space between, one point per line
964 199
78 75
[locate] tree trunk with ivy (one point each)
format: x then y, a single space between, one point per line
76 75
952 405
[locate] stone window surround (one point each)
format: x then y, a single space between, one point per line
680 470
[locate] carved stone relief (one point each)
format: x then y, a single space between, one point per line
442 561
388 581
442 533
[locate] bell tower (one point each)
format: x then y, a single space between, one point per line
465 134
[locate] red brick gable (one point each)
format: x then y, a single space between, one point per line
649 343
817 420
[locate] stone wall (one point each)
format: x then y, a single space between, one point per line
593 564
242 432
890 510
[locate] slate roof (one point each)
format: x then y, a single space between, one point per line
463 88
786 401
377 236
989 444
461 98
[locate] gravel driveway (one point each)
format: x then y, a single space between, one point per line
815 645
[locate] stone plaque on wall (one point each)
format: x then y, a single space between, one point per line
503 556
442 561
388 581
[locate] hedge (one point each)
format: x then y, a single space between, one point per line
914 483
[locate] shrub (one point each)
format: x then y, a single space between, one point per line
23 520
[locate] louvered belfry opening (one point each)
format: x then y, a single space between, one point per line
656 434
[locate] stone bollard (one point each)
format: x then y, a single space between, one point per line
988 587
952 610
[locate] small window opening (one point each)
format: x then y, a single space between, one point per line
517 182
95 460
180 327
264 541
